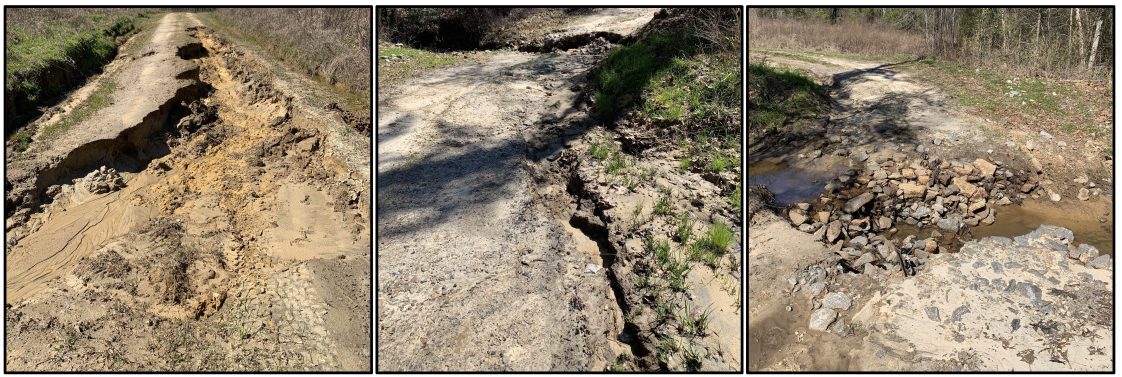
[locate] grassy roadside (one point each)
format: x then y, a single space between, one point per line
1078 108
397 63
330 64
779 98
51 51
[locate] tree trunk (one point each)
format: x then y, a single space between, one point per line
833 16
1004 33
1095 43
1079 26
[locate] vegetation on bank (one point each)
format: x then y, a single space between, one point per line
396 63
330 44
50 51
779 97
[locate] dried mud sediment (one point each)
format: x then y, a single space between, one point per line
195 264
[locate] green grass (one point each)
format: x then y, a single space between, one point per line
685 228
677 272
662 205
734 198
100 98
600 151
616 163
660 248
711 247
22 140
637 218
414 62
671 78
778 97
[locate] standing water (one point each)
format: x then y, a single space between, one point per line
792 184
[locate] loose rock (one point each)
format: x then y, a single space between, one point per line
821 319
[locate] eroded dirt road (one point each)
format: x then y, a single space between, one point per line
209 218
479 266
964 309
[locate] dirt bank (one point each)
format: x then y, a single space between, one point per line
191 255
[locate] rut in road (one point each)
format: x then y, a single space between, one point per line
470 265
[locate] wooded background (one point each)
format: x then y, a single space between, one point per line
1046 41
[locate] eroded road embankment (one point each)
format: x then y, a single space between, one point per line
169 218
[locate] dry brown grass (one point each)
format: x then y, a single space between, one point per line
856 38
331 43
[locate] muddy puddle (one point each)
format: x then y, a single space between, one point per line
791 184
1014 220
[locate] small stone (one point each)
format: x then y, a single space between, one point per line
856 203
884 222
929 245
1054 196
840 327
803 206
821 319
985 167
912 190
1084 194
964 186
977 206
859 241
1045 135
1082 179
1101 262
806 228
822 216
836 300
797 217
816 289
933 313
833 230
1028 187
865 258
1036 165
958 313
1029 145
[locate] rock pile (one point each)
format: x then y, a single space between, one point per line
104 180
860 210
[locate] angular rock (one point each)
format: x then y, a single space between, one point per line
836 300
865 258
1036 165
932 313
929 245
985 167
977 206
1084 194
822 216
968 189
884 222
807 228
921 212
803 206
833 230
856 203
1101 262
797 216
951 224
1054 196
816 289
912 190
859 241
821 319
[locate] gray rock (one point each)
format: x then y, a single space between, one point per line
1084 253
797 216
865 258
840 327
1101 262
836 300
833 230
933 313
921 212
859 241
1036 165
958 313
884 222
821 319
856 203
951 224
860 156
806 228
816 289
1045 135
1054 196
